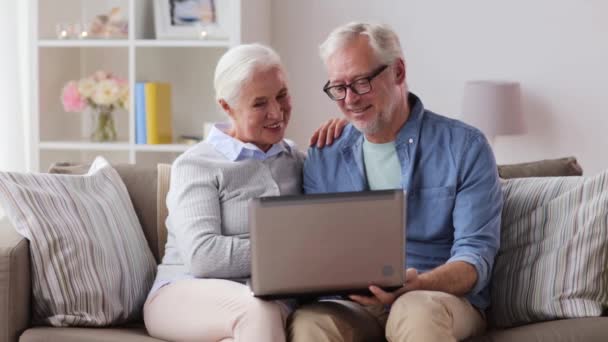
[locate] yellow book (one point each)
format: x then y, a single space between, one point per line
159 128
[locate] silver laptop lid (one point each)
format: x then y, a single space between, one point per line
327 243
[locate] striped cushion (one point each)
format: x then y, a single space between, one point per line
552 262
91 265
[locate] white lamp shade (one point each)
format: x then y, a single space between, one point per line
494 107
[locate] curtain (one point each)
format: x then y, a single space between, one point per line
14 85
14 39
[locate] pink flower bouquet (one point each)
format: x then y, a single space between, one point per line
101 92
98 90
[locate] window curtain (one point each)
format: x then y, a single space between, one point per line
14 83
14 40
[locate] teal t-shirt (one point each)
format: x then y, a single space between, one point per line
381 165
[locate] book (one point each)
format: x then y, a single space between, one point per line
140 113
159 128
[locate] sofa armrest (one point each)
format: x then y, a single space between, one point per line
15 284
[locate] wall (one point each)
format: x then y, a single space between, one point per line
557 50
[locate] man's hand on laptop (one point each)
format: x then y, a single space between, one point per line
328 132
412 282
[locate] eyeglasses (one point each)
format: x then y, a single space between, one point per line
359 86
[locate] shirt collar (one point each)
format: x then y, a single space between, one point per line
235 150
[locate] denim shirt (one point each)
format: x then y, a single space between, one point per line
454 199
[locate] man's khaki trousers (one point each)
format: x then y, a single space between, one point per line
415 316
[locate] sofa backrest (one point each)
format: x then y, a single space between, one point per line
164 176
141 182
544 168
148 187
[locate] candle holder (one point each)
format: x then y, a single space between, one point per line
62 31
70 31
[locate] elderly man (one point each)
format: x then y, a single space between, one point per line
454 198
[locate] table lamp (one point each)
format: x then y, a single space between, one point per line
494 107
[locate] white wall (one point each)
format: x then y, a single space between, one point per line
557 50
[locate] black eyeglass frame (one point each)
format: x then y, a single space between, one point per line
374 74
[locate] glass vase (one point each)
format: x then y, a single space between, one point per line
103 125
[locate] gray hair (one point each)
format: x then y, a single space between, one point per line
238 64
382 39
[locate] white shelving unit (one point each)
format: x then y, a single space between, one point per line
187 64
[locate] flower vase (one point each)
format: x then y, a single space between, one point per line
103 125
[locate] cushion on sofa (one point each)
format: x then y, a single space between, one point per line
543 168
554 245
141 183
91 265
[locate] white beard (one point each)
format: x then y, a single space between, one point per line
377 125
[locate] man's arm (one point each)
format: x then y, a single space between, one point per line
477 211
328 132
456 278
476 217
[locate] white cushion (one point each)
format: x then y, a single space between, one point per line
553 255
91 265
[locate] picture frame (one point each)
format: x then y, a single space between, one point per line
193 19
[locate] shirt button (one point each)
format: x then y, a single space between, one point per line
411 141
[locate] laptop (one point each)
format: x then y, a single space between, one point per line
327 244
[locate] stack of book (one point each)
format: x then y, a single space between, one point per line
153 113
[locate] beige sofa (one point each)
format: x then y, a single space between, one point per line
142 183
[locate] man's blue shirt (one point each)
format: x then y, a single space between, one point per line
454 199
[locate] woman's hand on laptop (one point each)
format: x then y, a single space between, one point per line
412 282
327 132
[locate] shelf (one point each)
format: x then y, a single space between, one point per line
162 148
84 146
111 146
187 63
126 43
84 43
181 43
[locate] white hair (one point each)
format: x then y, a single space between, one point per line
238 64
382 39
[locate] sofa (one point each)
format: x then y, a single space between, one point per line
147 184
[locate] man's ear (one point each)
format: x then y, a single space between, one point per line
400 71
225 107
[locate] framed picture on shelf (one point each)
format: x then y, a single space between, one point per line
192 19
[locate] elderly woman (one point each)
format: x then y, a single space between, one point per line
200 292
